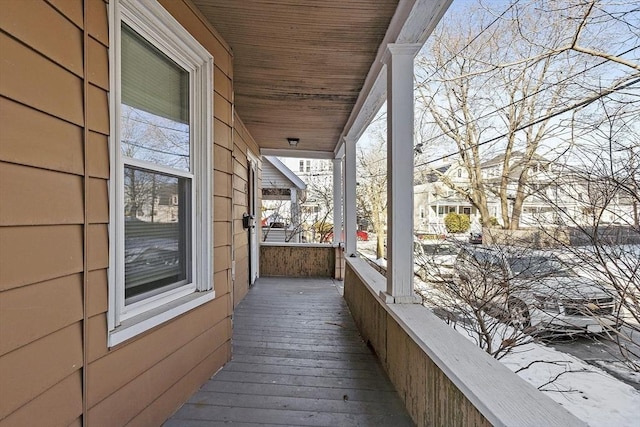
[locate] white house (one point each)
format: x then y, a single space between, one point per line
555 195
283 192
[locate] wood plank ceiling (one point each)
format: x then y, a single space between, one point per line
299 65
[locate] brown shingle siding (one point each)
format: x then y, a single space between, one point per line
72 9
222 134
98 63
58 405
27 313
120 408
97 20
98 113
34 138
35 254
36 81
183 389
44 259
98 203
34 25
38 366
33 196
98 155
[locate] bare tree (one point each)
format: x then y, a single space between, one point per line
496 91
318 207
371 190
601 233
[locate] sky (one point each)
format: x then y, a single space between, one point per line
622 36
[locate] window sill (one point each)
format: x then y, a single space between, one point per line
143 322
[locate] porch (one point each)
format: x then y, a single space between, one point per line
298 359
307 352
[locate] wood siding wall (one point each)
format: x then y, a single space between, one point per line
54 213
242 143
297 261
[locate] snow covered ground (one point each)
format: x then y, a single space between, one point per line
587 391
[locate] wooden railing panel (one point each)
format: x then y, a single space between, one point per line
282 260
441 377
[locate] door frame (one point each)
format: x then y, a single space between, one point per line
254 211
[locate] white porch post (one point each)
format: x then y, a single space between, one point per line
399 62
295 213
337 200
350 197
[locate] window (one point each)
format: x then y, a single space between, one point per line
160 225
301 165
459 173
308 165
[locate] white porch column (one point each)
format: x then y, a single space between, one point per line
350 197
337 200
399 61
295 214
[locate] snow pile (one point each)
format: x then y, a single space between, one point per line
586 391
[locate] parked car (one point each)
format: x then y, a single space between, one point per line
475 238
535 290
360 236
434 260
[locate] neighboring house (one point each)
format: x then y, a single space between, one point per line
283 194
555 195
435 199
317 210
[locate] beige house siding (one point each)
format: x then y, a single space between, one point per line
54 213
242 143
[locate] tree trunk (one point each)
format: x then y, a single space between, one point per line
380 245
516 213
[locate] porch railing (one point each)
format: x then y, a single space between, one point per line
301 260
442 377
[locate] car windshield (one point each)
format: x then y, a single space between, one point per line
529 267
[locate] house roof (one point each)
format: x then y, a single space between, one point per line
516 156
312 69
285 173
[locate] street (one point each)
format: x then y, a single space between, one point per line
605 352
601 350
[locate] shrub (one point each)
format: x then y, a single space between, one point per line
457 223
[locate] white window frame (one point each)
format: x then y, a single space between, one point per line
149 19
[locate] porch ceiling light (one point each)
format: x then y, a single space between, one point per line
293 141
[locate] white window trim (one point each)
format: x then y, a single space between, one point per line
155 24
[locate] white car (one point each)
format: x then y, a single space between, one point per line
536 290
434 260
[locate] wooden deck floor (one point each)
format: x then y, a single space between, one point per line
297 360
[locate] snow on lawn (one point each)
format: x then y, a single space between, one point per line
586 391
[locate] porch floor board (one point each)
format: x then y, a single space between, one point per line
298 360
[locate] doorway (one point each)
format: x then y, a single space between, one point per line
252 202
